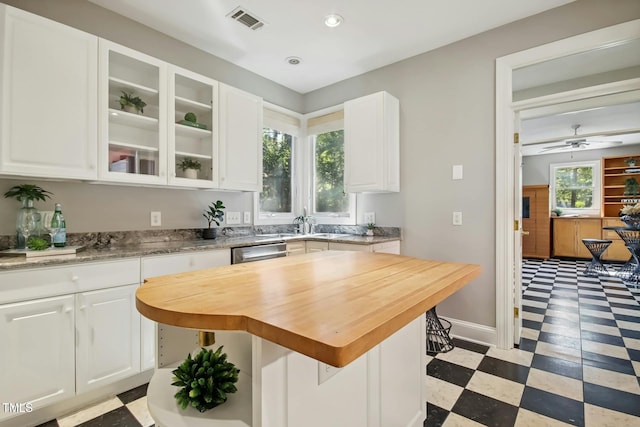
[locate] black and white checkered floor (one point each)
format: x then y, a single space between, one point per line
578 363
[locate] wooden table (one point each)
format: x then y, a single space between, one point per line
360 311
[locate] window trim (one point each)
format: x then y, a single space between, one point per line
273 218
596 208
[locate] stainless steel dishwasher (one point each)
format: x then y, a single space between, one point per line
258 252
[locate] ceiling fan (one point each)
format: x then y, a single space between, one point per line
576 142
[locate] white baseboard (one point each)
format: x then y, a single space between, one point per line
473 332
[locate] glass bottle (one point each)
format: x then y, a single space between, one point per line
60 238
27 217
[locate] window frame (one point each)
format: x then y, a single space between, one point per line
596 208
345 218
275 218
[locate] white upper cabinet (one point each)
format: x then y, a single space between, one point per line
48 97
133 141
240 140
372 144
192 143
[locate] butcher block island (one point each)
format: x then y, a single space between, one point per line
323 339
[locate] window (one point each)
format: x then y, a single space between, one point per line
328 188
277 156
575 187
275 204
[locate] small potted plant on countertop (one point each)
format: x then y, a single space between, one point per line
213 214
370 227
28 216
190 167
131 104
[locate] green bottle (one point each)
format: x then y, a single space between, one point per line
60 238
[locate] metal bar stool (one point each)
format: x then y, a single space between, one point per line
596 247
438 339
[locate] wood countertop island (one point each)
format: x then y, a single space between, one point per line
284 321
331 306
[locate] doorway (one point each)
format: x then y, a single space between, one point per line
508 237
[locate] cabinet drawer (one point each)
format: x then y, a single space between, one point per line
181 263
45 282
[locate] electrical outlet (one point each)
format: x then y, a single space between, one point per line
326 371
232 218
369 217
247 217
457 218
156 219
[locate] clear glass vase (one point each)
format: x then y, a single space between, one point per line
27 223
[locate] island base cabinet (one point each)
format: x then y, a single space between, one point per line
279 387
37 356
108 345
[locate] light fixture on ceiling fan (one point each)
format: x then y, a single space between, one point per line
576 142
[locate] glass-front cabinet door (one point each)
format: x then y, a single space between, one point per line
193 129
133 116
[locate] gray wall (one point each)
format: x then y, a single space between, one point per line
535 169
447 117
447 99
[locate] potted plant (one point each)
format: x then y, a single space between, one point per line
131 104
206 380
190 119
28 216
190 167
370 227
631 162
213 214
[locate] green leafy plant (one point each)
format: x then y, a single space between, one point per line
27 192
206 380
557 211
191 117
631 161
371 226
37 244
127 98
214 213
189 163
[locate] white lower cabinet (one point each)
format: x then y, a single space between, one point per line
37 355
392 247
108 336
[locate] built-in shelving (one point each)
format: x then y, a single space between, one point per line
615 172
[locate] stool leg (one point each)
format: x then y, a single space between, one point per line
596 267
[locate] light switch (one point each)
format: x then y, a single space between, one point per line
232 218
456 172
247 217
457 218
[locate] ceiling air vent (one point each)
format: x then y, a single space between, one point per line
247 18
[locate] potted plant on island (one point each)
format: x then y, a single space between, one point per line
131 104
190 167
28 216
213 214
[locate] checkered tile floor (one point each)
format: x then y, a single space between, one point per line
128 409
578 361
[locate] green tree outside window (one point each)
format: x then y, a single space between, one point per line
329 173
574 187
276 179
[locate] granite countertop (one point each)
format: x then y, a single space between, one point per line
182 246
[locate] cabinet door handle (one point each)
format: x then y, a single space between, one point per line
524 233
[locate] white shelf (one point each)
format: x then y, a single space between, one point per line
185 130
133 146
135 120
189 103
127 86
235 412
194 155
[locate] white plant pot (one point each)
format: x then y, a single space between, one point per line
191 173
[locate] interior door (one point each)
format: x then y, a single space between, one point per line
517 235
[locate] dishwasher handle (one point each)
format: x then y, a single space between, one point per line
264 255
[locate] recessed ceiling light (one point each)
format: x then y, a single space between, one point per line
332 20
294 60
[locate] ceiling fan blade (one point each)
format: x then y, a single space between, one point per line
556 147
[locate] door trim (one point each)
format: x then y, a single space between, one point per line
505 181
